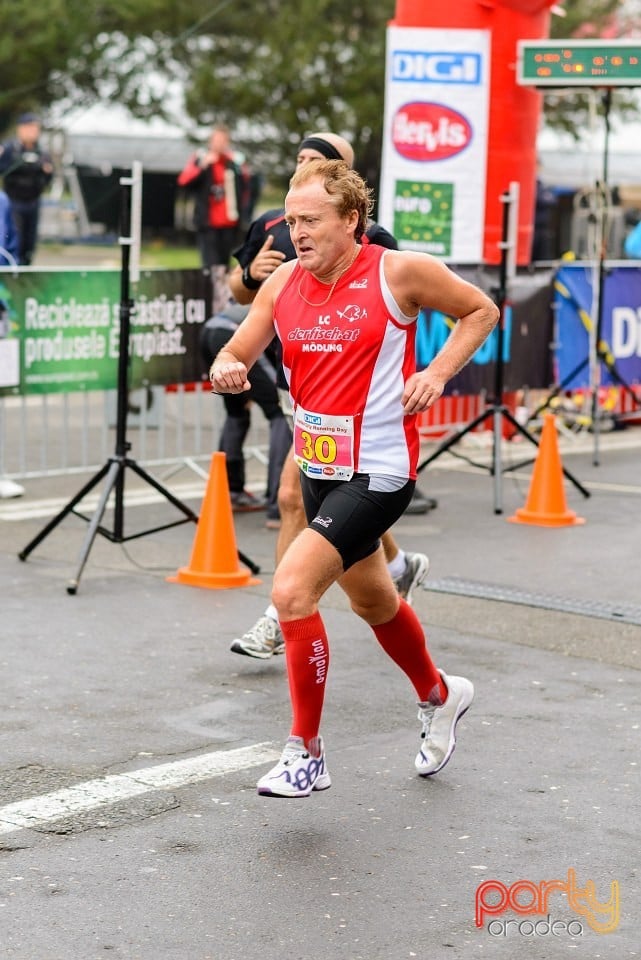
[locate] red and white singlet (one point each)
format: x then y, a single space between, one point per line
346 362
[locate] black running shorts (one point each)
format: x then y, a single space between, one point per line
351 515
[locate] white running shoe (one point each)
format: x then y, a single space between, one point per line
300 770
416 567
262 641
438 736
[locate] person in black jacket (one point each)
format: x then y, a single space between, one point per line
8 236
27 170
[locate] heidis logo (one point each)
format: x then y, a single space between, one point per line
429 131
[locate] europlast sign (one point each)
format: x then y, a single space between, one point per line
432 194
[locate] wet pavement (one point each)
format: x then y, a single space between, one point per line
134 673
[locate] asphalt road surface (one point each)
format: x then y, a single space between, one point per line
131 740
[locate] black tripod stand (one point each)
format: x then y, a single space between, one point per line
496 409
114 469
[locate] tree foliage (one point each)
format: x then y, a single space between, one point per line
33 40
272 70
308 66
86 51
570 110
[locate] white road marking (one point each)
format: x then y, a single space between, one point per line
13 510
593 485
482 462
23 510
104 791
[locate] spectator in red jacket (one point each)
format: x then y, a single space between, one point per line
220 188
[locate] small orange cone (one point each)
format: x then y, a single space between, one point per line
546 505
214 555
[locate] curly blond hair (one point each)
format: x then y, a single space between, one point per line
347 188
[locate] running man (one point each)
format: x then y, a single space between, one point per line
266 246
345 315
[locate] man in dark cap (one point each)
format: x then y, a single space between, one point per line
27 172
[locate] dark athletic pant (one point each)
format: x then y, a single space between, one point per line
263 392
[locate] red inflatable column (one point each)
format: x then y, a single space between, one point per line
514 111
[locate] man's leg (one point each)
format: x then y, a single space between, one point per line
280 443
398 630
208 246
19 218
265 393
30 236
220 287
420 503
290 504
222 241
306 571
232 440
264 638
408 570
236 425
442 699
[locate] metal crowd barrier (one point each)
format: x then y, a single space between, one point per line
66 433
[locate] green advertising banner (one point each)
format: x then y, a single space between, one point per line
60 330
423 215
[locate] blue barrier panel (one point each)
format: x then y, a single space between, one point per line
620 326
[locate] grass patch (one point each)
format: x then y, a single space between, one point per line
159 256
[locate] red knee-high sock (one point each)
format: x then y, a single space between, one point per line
307 656
403 640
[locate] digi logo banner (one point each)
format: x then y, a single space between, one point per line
443 66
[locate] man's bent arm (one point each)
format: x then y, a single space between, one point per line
470 331
468 334
476 315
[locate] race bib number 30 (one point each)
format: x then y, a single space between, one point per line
324 445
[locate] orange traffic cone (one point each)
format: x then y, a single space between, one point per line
214 555
546 505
